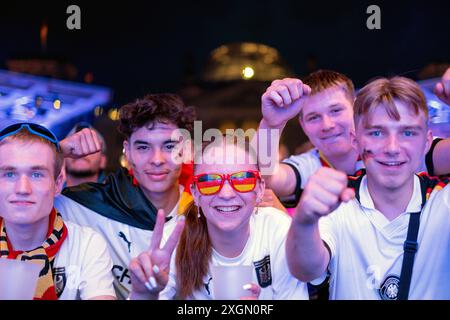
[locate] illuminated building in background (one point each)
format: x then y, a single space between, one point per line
245 60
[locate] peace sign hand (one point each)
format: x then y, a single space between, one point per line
150 270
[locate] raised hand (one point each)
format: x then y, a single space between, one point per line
254 291
323 193
442 88
150 270
81 144
281 101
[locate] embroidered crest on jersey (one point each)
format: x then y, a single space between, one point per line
59 279
263 272
390 287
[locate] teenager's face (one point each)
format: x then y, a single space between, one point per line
27 183
228 210
393 150
327 120
149 153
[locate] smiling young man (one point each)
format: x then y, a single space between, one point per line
75 262
324 104
379 244
124 208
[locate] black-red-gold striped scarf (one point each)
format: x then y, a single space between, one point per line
43 255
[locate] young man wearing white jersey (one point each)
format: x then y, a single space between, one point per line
124 208
74 261
324 104
364 233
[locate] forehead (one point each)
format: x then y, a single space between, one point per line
21 154
154 132
379 116
324 99
225 159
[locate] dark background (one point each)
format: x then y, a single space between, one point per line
138 47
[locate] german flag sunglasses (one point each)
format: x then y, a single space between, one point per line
211 183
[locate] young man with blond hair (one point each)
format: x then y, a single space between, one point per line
377 233
74 261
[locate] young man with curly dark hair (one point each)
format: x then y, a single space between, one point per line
124 208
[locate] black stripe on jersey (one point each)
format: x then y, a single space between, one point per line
288 203
429 157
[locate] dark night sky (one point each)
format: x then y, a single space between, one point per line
136 47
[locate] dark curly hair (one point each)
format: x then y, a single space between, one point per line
163 107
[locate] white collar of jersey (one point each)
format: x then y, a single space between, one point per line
414 204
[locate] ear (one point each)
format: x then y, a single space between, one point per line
103 161
259 189
300 119
195 195
353 140
429 142
126 150
60 180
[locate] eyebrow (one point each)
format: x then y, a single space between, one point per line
310 114
141 142
41 168
7 168
334 105
147 143
368 126
11 168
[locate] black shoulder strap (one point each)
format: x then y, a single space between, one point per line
410 248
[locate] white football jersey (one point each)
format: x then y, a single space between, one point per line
82 266
124 241
265 251
367 249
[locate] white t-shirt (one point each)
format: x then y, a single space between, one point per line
265 251
124 241
82 266
367 248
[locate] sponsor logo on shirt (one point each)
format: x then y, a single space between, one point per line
124 238
121 274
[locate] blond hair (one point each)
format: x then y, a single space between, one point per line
384 92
